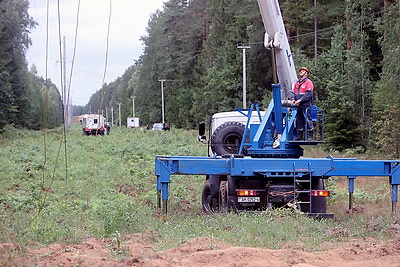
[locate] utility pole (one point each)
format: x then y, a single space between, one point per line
162 97
112 116
107 114
244 47
315 36
133 105
119 113
162 100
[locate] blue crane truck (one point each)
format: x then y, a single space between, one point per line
254 161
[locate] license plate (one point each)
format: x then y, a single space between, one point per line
248 199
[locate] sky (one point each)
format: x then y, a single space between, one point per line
128 23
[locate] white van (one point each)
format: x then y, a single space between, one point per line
93 124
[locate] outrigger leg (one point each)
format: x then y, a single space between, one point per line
394 198
351 191
163 179
162 198
158 195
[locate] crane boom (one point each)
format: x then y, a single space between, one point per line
275 38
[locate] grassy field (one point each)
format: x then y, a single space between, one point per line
104 186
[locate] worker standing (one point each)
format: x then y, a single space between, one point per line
302 97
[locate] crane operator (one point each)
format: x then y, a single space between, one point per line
302 98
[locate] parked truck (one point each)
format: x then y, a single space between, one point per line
93 124
255 161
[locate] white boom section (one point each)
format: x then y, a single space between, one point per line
275 37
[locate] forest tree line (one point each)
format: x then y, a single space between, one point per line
26 100
350 47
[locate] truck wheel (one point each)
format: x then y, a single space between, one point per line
227 138
318 204
232 196
209 204
223 197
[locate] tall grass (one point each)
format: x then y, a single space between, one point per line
106 186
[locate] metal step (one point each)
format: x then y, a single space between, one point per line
280 173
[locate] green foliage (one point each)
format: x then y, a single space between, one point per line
387 110
15 25
22 93
342 125
194 47
108 191
45 101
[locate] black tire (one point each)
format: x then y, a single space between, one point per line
232 195
209 204
215 181
223 197
226 139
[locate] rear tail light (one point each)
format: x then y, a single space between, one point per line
242 192
320 193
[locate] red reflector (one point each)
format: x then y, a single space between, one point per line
246 192
320 193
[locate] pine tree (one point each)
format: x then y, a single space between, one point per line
386 102
341 124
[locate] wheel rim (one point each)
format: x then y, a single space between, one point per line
232 143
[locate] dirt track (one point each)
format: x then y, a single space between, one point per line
135 251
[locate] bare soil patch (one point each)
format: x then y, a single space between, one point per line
203 251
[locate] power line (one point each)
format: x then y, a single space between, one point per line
101 103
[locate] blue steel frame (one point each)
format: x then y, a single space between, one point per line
165 166
270 162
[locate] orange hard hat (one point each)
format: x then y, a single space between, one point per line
304 68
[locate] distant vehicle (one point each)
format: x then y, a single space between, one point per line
132 122
157 126
93 124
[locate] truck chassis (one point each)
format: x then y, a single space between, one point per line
280 169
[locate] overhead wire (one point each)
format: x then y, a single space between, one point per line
101 104
63 139
43 182
74 52
331 29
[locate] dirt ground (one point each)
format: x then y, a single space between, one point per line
135 251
